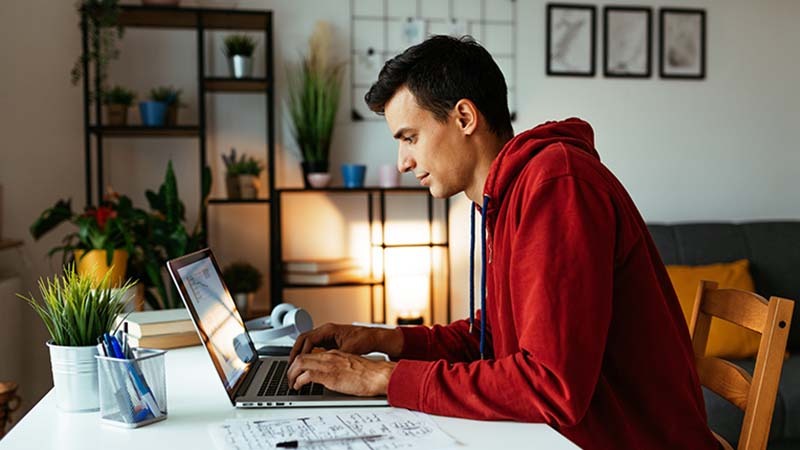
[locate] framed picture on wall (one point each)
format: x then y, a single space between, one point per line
570 39
627 41
683 43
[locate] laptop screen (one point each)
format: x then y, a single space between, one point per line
218 322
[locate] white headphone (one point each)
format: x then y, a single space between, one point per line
285 320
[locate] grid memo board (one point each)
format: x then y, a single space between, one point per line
381 29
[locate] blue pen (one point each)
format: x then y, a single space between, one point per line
138 381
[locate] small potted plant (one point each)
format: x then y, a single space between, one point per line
242 175
239 51
314 88
103 240
76 311
153 111
172 97
243 280
117 100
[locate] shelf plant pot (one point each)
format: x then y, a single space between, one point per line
243 300
94 264
310 167
248 186
232 187
172 115
319 180
153 114
117 115
74 377
241 66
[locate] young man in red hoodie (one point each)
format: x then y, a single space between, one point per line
579 326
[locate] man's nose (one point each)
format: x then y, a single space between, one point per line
404 160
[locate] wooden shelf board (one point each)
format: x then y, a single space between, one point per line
344 284
228 201
342 189
213 84
190 18
142 131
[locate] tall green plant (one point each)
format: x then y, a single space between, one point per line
166 236
103 32
314 92
74 312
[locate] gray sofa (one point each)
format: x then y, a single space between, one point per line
773 249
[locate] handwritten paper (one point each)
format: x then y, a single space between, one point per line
400 429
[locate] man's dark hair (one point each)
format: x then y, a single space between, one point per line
441 71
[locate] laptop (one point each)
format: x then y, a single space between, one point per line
251 380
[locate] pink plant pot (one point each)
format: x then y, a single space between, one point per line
319 180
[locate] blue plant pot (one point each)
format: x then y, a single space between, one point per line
353 175
153 113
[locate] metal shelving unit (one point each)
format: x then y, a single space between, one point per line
200 20
371 194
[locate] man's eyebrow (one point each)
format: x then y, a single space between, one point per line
399 133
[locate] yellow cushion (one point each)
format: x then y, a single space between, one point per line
725 339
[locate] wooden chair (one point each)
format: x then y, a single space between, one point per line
754 395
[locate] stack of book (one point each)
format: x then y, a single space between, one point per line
169 328
322 271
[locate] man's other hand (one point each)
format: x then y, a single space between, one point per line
341 372
349 339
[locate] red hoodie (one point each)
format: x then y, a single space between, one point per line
584 331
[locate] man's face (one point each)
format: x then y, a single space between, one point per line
436 152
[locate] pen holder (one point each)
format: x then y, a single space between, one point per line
133 392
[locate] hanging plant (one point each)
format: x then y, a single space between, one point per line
103 32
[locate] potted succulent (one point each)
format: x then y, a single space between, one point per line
172 97
314 89
103 240
239 51
243 280
76 311
242 173
117 100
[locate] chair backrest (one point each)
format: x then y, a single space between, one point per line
755 395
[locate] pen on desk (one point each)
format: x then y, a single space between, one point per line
302 442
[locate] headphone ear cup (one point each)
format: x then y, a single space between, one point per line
276 319
300 321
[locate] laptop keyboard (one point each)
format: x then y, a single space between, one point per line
276 382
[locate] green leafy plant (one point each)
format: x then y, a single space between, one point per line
239 44
314 92
108 227
76 312
164 236
119 95
244 165
103 32
167 94
242 278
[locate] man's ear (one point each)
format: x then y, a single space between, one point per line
466 116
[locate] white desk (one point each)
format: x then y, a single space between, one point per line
196 400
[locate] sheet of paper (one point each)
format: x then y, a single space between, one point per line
400 428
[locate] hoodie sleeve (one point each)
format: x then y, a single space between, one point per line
453 342
560 281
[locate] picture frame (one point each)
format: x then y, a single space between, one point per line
627 42
682 43
570 40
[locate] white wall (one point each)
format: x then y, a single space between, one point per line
686 150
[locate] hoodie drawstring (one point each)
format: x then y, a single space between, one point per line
483 273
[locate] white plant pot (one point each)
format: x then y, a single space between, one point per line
243 300
74 377
240 66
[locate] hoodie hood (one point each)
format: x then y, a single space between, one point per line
520 149
502 174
